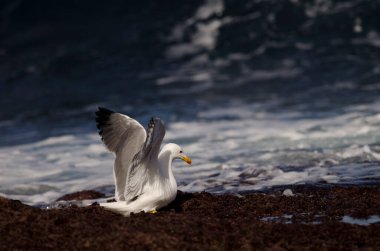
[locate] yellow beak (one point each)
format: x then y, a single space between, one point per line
186 159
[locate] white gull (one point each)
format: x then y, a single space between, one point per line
143 175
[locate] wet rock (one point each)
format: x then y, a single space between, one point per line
288 192
199 221
82 195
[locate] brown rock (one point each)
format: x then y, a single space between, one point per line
310 220
82 195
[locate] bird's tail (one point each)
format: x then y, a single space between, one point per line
119 207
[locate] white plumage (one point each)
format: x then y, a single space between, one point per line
143 175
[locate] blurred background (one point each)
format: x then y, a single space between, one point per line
259 93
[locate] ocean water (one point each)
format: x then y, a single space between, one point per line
259 94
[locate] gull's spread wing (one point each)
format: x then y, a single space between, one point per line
143 165
124 136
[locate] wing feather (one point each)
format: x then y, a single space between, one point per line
145 160
115 128
124 136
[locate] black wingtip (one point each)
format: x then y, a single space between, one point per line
151 123
102 118
155 120
102 110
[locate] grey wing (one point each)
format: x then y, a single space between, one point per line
124 136
116 128
143 162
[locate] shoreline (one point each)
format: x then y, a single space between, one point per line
314 217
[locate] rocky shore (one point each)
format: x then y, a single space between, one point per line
307 218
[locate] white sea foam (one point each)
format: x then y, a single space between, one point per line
259 150
206 32
236 148
41 172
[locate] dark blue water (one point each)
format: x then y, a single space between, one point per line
57 57
306 73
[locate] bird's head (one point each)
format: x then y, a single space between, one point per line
177 153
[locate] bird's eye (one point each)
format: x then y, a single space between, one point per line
181 151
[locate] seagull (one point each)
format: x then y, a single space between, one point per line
143 175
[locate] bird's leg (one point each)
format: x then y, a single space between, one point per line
153 211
